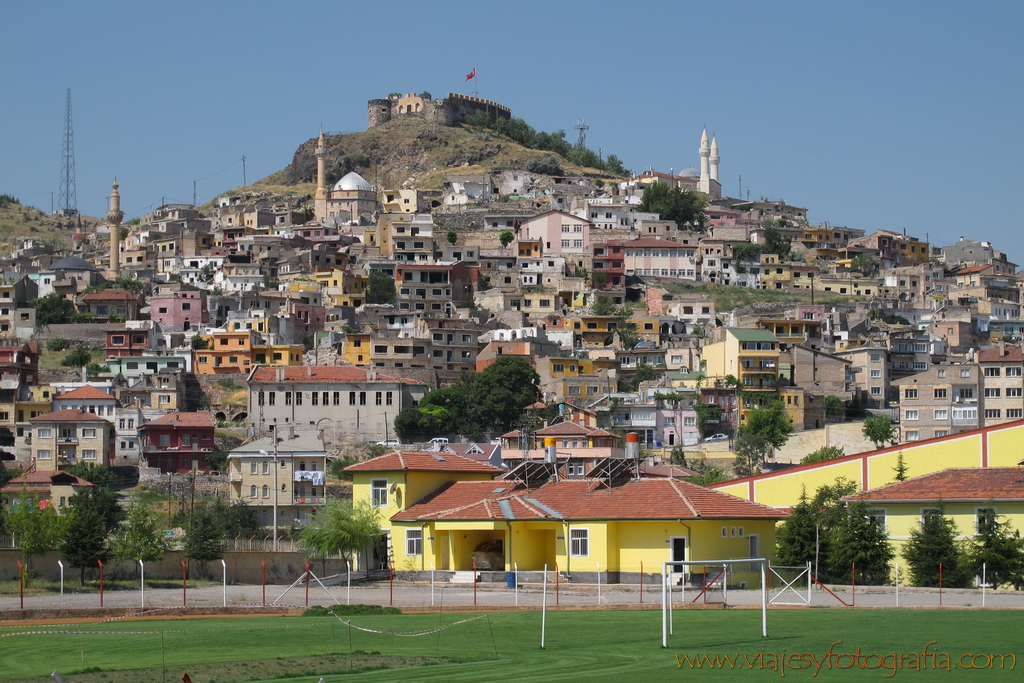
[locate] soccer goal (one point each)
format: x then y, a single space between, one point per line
715 578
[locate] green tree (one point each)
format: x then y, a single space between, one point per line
340 528
204 535
752 450
206 273
199 343
823 453
771 422
84 541
380 288
598 279
76 358
57 344
678 456
706 413
879 430
834 406
859 540
603 305
240 519
626 328
776 243
865 264
140 537
506 237
52 309
132 285
999 549
94 473
796 541
547 166
644 373
678 205
707 474
34 524
933 543
452 237
500 393
901 468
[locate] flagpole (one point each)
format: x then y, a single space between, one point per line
476 88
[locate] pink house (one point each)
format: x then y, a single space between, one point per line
179 442
184 308
560 233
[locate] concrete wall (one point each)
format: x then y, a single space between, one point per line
845 434
91 333
243 567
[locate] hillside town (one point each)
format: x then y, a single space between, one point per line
659 338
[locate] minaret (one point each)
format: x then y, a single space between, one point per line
705 175
320 198
714 159
115 215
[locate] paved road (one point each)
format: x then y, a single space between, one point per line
497 595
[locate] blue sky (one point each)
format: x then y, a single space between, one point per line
872 114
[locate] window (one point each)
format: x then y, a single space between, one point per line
912 436
579 542
298 398
941 374
44 433
252 491
910 415
413 542
940 393
966 394
88 433
1013 372
388 398
43 455
287 398
910 393
252 468
984 519
877 517
993 413
1011 392
876 391
965 373
379 398
379 493
336 397
942 414
163 398
992 393
266 491
266 467
88 454
1014 413
314 398
362 398
876 374
558 367
351 398
992 372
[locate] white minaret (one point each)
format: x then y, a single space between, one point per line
714 159
320 198
705 175
115 216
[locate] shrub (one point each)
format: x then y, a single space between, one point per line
339 610
547 166
57 344
76 358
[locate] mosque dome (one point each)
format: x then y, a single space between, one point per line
71 263
689 173
353 181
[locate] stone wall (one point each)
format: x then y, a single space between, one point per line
87 333
449 111
845 434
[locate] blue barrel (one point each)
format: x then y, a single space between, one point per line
510 579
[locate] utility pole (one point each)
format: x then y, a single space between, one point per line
244 183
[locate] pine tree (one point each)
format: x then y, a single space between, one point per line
85 537
204 536
901 468
1000 549
796 540
932 543
860 543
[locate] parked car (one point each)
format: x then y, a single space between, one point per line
390 443
717 437
439 440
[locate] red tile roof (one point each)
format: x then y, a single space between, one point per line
584 499
990 354
652 242
954 484
420 461
111 295
323 373
87 392
69 415
565 429
35 481
183 420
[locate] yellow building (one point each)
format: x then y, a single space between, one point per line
52 488
970 497
239 351
67 437
752 357
997 446
469 521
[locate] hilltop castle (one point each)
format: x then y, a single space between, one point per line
450 111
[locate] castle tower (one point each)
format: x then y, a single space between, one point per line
115 216
714 159
705 174
320 198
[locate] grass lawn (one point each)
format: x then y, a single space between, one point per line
591 646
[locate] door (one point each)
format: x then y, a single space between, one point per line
678 552
755 550
445 551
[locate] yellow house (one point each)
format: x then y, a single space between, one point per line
581 527
997 446
53 488
971 497
752 357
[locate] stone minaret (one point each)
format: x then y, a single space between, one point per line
320 198
115 215
704 184
714 159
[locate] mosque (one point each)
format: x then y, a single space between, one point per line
347 200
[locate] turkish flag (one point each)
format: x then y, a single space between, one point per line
471 74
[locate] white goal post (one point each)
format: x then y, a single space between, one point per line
666 589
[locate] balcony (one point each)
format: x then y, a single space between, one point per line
67 439
236 477
309 500
67 460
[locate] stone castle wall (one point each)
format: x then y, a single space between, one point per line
449 111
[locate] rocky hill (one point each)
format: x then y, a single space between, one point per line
412 153
18 222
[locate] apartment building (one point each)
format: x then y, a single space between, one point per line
945 399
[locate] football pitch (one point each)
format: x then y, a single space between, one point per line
714 645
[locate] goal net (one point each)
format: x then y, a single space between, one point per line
712 585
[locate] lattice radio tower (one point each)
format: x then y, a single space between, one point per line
68 201
582 127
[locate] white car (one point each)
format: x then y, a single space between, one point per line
717 437
390 443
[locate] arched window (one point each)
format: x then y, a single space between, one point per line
266 491
252 491
302 466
